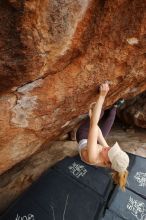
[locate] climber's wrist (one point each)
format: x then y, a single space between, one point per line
104 88
102 96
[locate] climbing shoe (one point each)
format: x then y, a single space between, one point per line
119 103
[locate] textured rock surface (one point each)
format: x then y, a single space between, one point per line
134 111
53 55
20 177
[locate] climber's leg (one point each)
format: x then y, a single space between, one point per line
107 121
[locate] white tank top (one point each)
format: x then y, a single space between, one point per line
82 144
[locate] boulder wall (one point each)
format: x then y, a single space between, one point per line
54 54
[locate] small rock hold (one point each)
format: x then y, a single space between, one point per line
132 41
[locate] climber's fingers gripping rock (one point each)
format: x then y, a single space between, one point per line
104 88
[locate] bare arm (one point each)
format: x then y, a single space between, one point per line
104 88
93 134
92 143
97 110
101 139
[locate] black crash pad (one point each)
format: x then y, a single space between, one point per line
26 208
74 190
59 197
109 215
137 176
96 178
128 205
82 202
131 162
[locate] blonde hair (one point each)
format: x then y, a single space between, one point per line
120 178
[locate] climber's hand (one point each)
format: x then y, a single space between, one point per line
104 88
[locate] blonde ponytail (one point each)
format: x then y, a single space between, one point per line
120 178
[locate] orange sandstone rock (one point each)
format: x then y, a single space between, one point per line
53 56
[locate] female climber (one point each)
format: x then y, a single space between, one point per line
92 146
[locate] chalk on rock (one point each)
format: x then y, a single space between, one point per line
132 41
